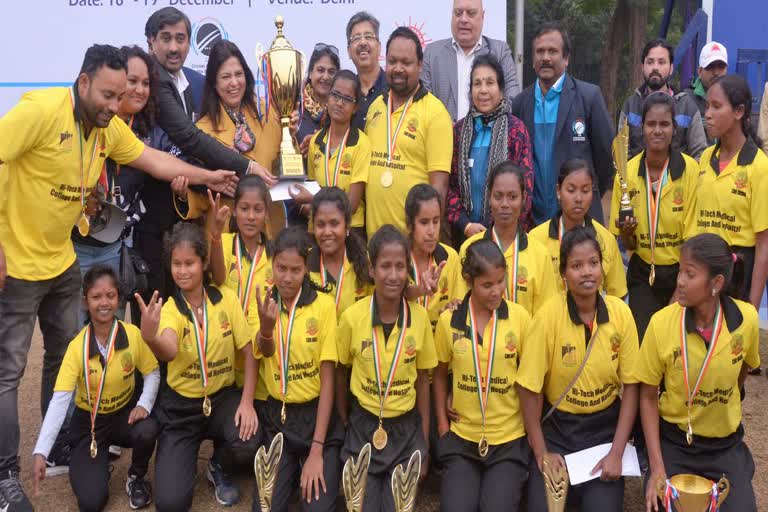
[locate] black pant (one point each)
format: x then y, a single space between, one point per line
183 430
298 432
487 484
90 477
645 300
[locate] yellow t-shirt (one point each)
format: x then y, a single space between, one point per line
130 353
353 168
453 343
717 405
554 347
535 282
732 203
423 145
676 211
313 340
355 346
614 278
228 331
351 290
40 203
449 287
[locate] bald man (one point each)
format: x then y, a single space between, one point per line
448 62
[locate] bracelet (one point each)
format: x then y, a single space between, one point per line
265 338
321 443
215 239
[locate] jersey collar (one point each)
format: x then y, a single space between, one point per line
676 165
522 238
307 295
602 310
121 342
419 94
354 136
746 155
731 312
262 240
554 224
376 320
440 255
460 317
213 294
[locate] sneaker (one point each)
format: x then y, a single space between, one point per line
226 491
58 461
115 452
139 492
12 496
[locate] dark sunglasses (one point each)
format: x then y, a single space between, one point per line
319 47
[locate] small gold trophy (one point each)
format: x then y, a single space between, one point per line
265 466
693 493
284 72
556 482
620 157
354 477
405 484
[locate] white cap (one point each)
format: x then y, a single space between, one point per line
713 52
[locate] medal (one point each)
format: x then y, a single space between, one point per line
716 327
483 392
94 404
653 208
510 292
380 435
386 179
284 345
244 289
283 416
83 225
200 330
332 181
207 407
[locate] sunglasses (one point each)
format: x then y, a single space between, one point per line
320 47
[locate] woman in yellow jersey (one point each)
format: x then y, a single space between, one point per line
434 272
574 192
197 333
107 409
338 259
576 357
698 351
530 281
733 184
387 341
662 187
339 154
484 455
297 334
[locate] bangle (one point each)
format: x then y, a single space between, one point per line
216 239
315 441
265 338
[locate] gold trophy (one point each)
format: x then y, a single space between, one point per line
405 484
556 482
354 477
265 466
694 493
620 157
284 77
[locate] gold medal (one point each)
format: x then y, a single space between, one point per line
482 447
689 433
380 438
207 407
83 225
386 179
652 275
282 413
94 446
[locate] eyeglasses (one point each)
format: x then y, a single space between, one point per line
367 36
319 47
349 100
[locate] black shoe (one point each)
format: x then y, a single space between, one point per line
12 496
226 491
57 462
755 371
139 492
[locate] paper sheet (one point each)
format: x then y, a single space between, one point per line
279 192
581 463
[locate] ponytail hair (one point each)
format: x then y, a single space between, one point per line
713 253
738 93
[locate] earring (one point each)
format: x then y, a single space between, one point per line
714 292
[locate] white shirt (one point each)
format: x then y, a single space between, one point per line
464 74
181 83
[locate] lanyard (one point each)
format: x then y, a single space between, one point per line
284 340
244 290
339 280
84 171
201 339
384 388
392 137
94 404
653 208
339 154
510 291
483 392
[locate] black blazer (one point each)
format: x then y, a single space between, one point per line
578 100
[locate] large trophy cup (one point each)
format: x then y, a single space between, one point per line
283 75
354 477
692 493
556 483
265 465
405 484
620 156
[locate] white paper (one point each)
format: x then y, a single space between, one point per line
579 464
280 192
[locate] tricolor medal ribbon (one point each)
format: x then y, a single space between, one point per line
510 292
244 289
94 404
324 281
653 209
200 330
332 181
284 346
483 392
392 137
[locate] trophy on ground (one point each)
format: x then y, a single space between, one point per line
556 482
692 493
283 79
354 477
405 484
620 157
265 466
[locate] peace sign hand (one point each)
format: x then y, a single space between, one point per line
217 215
150 316
431 277
268 311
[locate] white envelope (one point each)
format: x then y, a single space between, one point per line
280 192
579 464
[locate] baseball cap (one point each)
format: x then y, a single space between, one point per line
713 52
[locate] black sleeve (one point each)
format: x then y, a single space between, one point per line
602 138
190 139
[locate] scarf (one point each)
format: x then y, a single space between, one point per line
244 137
497 153
315 109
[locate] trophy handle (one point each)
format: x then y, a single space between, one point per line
265 465
354 477
723 488
405 484
556 482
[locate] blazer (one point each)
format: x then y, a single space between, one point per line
440 74
180 124
584 102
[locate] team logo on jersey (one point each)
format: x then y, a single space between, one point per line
737 344
410 346
460 343
65 141
413 125
366 349
615 343
510 342
346 161
186 343
740 180
443 285
677 198
126 361
677 360
268 275
224 321
312 327
522 276
569 354
317 157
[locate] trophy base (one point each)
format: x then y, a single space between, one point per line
291 167
623 214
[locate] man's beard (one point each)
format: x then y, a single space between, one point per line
655 82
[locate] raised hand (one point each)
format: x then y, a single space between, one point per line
150 315
431 277
268 311
217 214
